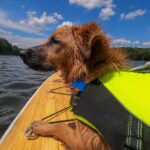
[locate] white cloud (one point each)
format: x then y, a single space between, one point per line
120 41
39 23
133 14
90 4
58 16
122 15
136 42
4 33
106 6
22 42
146 43
106 13
31 24
124 42
65 23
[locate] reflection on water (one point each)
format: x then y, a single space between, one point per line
17 84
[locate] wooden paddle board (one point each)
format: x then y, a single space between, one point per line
41 104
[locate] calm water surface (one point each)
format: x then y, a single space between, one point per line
17 84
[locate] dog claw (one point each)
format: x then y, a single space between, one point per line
29 134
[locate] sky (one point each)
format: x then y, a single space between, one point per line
28 23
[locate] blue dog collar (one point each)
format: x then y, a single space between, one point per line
81 85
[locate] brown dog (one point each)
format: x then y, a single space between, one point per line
79 52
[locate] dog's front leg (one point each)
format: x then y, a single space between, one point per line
61 132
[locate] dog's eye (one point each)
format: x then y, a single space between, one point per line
54 41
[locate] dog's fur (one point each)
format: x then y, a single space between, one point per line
78 52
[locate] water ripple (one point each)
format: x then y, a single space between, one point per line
17 84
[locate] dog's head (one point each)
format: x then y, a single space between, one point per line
73 50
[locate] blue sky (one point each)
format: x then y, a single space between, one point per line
29 22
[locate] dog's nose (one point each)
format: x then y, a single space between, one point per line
23 53
30 52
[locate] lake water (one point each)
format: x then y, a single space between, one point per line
17 84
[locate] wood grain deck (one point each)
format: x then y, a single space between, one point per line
41 104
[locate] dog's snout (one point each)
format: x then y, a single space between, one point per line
36 58
27 54
30 52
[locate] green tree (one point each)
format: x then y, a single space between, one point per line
8 49
136 53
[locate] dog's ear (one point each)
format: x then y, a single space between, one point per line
91 37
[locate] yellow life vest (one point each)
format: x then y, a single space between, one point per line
132 90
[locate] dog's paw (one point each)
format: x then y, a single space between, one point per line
42 128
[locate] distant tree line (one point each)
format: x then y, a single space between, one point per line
134 53
8 49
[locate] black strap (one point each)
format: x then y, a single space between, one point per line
134 140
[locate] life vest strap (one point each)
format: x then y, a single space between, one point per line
134 138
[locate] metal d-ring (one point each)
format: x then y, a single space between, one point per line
29 134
